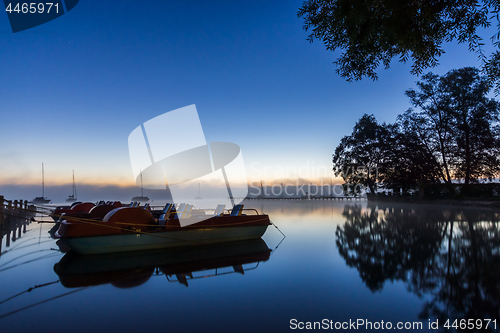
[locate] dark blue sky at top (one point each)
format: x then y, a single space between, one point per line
77 86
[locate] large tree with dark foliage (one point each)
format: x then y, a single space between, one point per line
382 155
458 123
407 163
358 157
475 124
452 132
373 32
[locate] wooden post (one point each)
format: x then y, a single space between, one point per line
11 221
1 222
1 209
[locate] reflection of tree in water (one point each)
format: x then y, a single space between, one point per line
453 255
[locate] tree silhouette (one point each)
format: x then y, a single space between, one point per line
458 123
359 155
452 131
373 32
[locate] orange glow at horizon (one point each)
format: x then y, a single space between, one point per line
123 182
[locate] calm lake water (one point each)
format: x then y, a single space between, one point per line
338 263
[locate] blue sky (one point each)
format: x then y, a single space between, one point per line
74 88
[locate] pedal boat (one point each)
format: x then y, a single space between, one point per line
133 229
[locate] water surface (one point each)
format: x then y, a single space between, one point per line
339 262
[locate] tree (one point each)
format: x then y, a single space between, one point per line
359 155
383 156
373 32
431 122
457 123
407 163
475 124
451 132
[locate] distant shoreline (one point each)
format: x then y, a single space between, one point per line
469 202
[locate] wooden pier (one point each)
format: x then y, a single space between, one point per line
15 215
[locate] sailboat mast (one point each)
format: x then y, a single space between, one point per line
142 189
74 188
43 183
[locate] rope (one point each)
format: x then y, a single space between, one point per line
25 209
211 225
41 302
28 290
141 232
93 222
17 216
284 236
97 222
277 228
137 231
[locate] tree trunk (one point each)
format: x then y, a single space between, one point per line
467 155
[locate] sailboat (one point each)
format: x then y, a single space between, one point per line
142 197
72 198
42 199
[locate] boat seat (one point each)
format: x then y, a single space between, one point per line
237 210
165 214
219 210
187 212
181 210
167 207
146 206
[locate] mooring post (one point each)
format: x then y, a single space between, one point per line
1 209
1 222
11 221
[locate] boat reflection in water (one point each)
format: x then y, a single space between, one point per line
449 256
131 269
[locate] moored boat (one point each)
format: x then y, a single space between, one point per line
72 197
42 199
84 210
131 229
141 198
